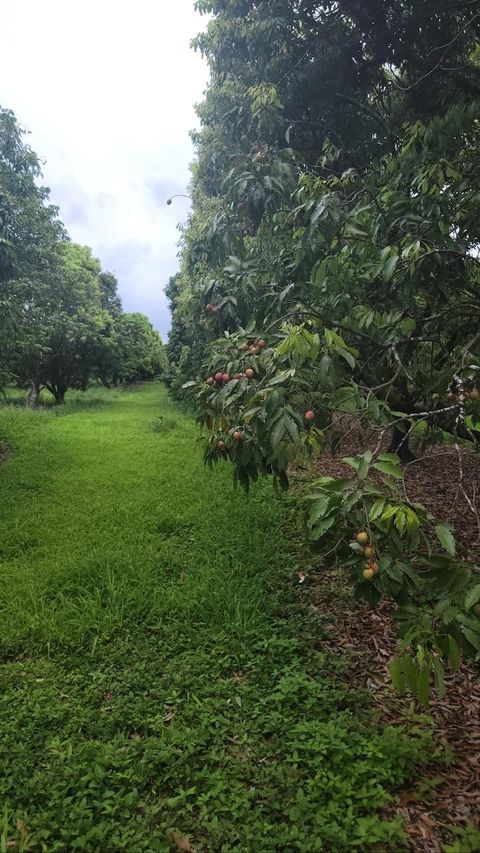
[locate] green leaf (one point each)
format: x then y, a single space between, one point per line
396 674
334 340
347 356
292 429
413 521
318 510
449 612
411 672
353 461
445 538
390 512
369 592
322 526
401 521
389 457
472 423
453 653
437 561
472 596
277 432
389 267
364 464
395 571
353 231
281 377
376 509
320 208
423 689
350 502
410 572
390 469
332 484
472 637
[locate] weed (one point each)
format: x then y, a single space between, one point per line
467 840
163 425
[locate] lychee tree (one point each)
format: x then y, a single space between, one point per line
339 174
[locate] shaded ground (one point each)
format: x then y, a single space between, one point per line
434 481
445 797
446 482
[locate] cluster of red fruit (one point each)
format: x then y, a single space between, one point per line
237 436
471 395
371 566
222 378
254 348
211 309
249 373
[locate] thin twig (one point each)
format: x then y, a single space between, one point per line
438 64
400 363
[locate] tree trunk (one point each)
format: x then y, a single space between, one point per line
33 394
59 394
400 446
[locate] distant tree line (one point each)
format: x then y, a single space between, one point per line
61 319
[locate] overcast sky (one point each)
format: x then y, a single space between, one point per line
107 89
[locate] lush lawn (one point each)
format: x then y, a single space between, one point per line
157 672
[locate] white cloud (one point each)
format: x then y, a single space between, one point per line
107 89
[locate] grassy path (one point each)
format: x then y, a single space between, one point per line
157 674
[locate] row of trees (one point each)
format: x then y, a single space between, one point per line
330 278
61 319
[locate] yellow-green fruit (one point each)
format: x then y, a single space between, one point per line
362 537
368 574
369 552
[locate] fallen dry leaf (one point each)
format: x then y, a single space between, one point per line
182 842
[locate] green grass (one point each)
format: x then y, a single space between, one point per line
157 670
